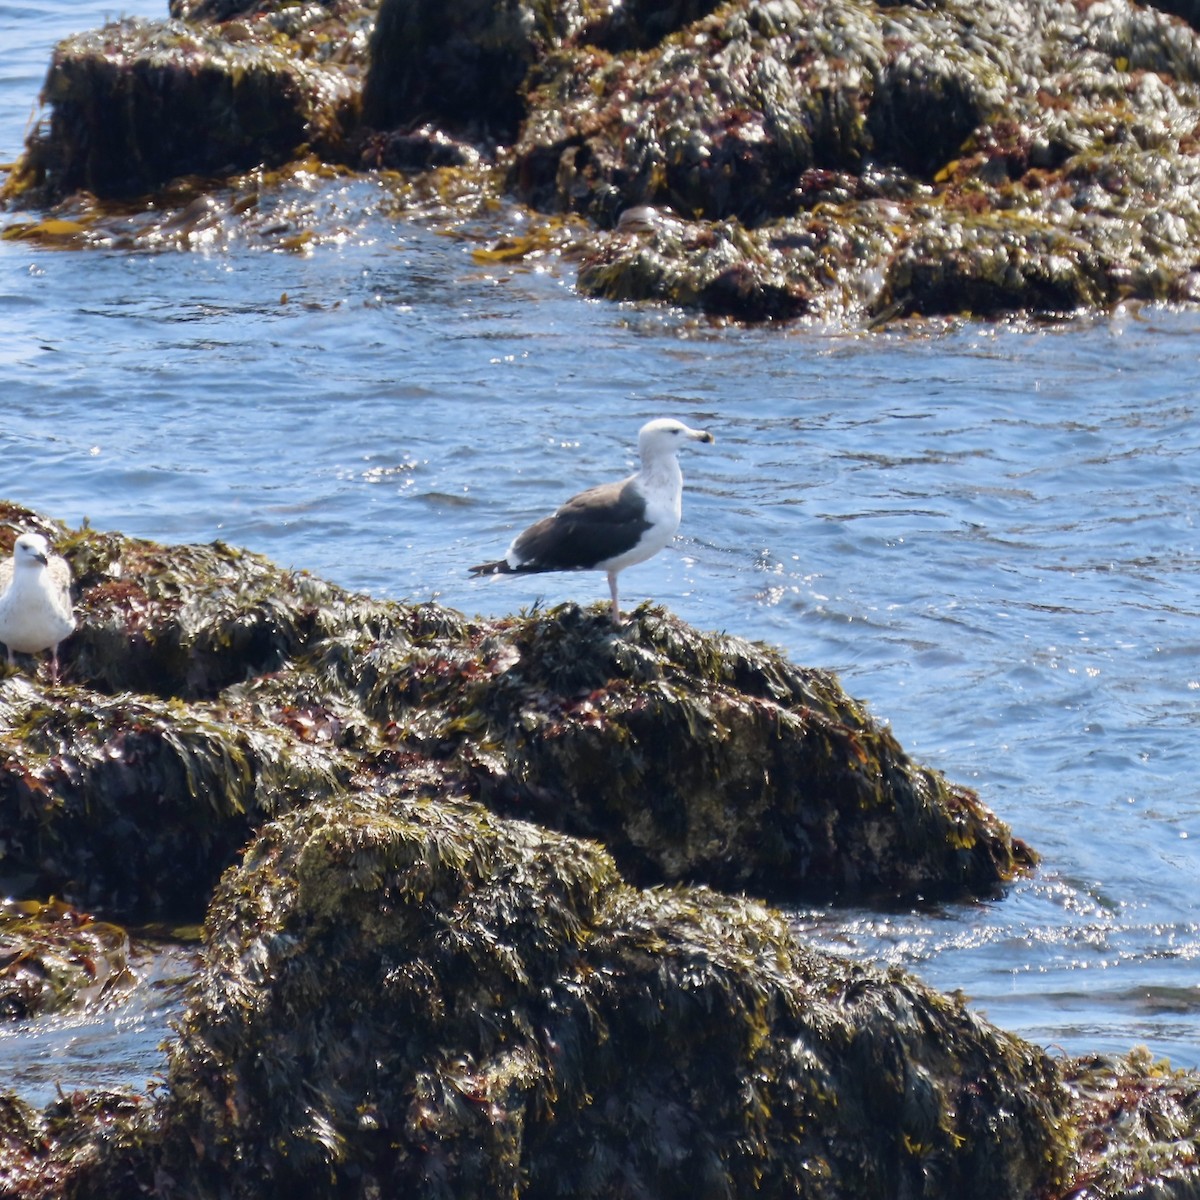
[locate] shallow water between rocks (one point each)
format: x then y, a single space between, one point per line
988 531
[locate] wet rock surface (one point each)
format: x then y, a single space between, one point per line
843 159
461 933
418 997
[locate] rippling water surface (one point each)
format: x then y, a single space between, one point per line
989 532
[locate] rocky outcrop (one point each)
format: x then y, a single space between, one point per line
418 977
851 160
429 1000
126 102
694 758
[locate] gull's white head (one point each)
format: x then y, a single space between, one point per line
665 435
31 551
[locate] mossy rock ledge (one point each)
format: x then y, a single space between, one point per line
208 691
847 160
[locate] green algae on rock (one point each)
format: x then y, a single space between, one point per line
427 999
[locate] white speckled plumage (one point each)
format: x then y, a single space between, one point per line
35 600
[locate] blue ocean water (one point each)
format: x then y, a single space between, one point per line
987 530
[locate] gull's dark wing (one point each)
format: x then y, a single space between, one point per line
587 530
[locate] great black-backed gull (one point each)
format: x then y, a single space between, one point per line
35 600
615 525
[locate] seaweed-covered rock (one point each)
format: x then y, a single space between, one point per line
52 956
694 758
995 116
184 621
425 1000
458 65
126 101
59 1151
137 805
591 1040
853 160
1138 1122
702 757
405 991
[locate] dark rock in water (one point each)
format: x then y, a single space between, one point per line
1189 10
408 991
922 110
421 149
847 160
640 24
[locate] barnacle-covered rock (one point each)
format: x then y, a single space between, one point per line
53 956
425 999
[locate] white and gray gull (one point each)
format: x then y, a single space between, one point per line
615 525
35 600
